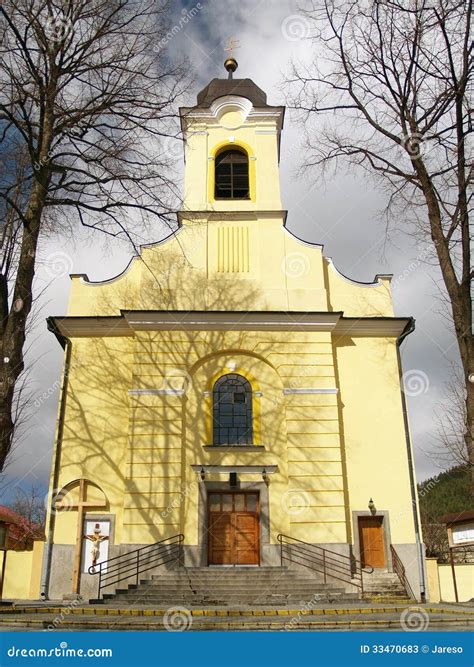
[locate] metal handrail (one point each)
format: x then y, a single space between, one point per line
399 568
133 563
329 563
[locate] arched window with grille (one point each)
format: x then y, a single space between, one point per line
232 411
232 175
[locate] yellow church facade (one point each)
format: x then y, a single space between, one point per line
231 386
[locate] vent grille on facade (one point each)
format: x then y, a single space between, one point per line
233 249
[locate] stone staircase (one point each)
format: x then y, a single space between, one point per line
204 587
384 586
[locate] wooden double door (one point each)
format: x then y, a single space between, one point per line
234 528
371 538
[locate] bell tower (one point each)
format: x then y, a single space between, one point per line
232 147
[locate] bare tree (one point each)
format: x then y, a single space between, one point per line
10 231
86 97
389 90
435 538
450 449
30 504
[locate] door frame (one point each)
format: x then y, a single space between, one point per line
380 514
199 556
235 491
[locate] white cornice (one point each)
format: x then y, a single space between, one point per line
381 327
229 103
206 216
207 115
72 327
241 321
309 390
156 392
83 278
222 105
242 469
377 282
130 321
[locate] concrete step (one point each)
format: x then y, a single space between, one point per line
234 582
294 622
385 596
227 596
233 576
232 587
219 585
229 600
393 594
233 593
206 602
290 602
229 581
250 571
234 599
392 587
231 572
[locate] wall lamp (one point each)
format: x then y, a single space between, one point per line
372 508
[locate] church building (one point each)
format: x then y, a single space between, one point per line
231 391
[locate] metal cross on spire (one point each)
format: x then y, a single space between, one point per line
232 45
231 63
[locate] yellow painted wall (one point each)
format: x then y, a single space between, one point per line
140 448
334 452
374 435
464 581
150 442
354 299
432 580
96 423
23 573
250 262
440 581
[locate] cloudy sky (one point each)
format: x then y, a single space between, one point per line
344 214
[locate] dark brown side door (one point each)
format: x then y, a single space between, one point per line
234 529
372 551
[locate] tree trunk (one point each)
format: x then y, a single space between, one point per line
460 300
470 425
14 324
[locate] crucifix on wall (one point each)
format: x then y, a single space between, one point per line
96 538
81 505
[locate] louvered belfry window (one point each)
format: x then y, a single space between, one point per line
232 411
232 175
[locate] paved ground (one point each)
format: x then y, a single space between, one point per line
357 616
